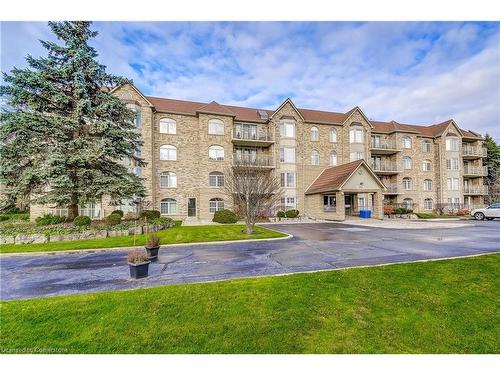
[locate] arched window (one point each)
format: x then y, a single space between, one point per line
426 165
333 135
168 152
168 206
333 158
408 203
216 179
216 152
406 162
215 126
168 180
406 141
315 157
356 134
407 183
216 204
314 134
427 185
427 204
426 146
168 126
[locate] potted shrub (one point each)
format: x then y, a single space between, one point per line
152 247
138 263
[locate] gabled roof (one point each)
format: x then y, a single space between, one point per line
215 108
349 113
289 101
135 89
191 108
333 178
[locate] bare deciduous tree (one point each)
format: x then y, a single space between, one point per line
252 187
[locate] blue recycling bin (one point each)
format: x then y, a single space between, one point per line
365 214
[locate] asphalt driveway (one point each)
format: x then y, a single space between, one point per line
315 246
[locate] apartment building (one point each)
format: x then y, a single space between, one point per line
331 164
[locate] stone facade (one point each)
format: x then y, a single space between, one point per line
193 165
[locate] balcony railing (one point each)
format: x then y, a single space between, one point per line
474 151
258 135
392 189
385 167
253 160
476 171
384 145
476 190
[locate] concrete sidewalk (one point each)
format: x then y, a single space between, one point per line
408 223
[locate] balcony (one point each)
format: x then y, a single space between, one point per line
386 168
257 137
384 147
392 190
254 161
473 171
476 190
473 152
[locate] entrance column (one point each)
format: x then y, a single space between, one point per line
378 209
340 205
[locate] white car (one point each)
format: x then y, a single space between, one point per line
488 213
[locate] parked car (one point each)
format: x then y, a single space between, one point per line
488 213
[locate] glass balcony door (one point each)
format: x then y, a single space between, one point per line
246 131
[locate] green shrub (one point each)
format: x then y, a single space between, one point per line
118 212
113 219
281 214
161 220
82 221
151 214
4 217
49 219
225 217
292 213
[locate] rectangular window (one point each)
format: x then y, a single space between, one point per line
216 205
452 144
215 127
426 146
138 119
288 203
168 208
452 183
452 164
355 135
287 155
288 179
329 203
216 180
287 129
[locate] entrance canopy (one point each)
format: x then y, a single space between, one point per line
353 177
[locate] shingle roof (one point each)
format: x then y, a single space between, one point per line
309 115
333 177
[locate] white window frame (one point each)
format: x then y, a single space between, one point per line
314 134
452 144
428 204
288 179
357 155
168 180
168 126
407 183
333 135
453 184
333 158
216 179
287 154
426 165
216 152
287 129
168 206
216 127
356 134
215 204
407 162
314 157
426 146
168 152
427 184
408 203
406 142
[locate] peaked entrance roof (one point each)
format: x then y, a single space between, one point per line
333 178
216 108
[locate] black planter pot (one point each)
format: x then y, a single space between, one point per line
139 270
152 252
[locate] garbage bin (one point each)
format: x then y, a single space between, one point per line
368 214
365 214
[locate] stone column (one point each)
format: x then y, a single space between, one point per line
340 205
378 208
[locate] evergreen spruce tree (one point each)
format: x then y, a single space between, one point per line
64 138
493 163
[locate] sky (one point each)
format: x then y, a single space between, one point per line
411 72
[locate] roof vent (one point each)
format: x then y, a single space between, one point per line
263 114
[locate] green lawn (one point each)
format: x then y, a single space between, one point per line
447 306
178 234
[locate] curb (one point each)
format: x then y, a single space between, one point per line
51 252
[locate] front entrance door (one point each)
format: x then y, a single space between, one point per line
191 206
348 205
